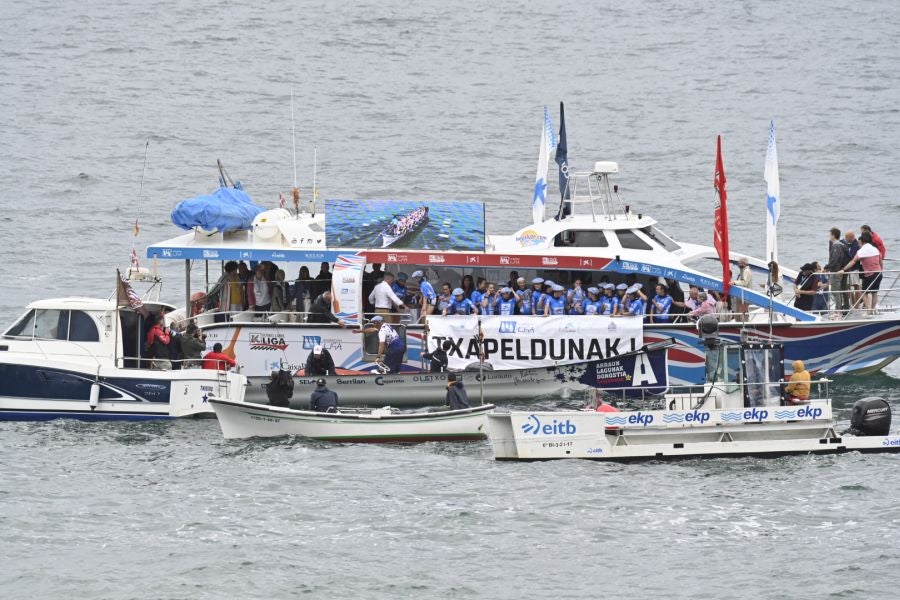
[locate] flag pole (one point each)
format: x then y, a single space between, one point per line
295 192
481 359
315 191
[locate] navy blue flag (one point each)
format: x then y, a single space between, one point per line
637 371
562 155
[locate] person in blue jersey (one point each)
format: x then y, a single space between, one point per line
444 299
590 306
399 287
530 300
519 290
622 297
460 305
506 303
556 303
609 303
478 295
635 302
489 300
546 294
660 305
426 293
575 296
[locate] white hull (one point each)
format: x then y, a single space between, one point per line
598 436
246 420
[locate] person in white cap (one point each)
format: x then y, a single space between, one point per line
391 345
506 303
556 303
319 362
426 292
621 297
609 302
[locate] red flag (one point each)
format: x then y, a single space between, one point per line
134 259
720 231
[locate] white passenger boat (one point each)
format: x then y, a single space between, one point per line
738 412
82 358
595 236
249 420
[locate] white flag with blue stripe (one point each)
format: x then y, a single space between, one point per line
773 197
548 145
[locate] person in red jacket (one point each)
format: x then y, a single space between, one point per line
217 360
158 340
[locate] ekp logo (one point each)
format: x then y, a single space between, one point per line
310 341
534 426
507 326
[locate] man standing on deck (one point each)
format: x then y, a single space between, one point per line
744 280
383 298
838 257
391 345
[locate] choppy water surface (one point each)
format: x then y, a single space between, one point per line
432 100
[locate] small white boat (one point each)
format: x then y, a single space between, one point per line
248 420
737 412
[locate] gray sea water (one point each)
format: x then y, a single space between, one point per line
433 100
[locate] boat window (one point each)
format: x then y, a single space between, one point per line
629 239
82 328
583 238
51 324
24 328
660 238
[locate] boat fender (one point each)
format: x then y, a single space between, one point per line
870 417
94 400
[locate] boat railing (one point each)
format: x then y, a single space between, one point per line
696 396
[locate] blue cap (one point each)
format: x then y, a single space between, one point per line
458 292
402 276
377 319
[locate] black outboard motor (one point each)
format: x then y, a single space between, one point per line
280 389
870 416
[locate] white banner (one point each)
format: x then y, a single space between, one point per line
519 342
346 282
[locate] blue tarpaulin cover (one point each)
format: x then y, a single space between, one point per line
226 209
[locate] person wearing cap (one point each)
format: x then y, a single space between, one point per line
384 299
590 306
319 362
805 287
556 303
460 305
391 345
609 302
323 399
506 304
426 293
320 310
621 297
744 279
540 305
635 306
457 397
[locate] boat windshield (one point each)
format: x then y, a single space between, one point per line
660 238
723 367
630 240
764 368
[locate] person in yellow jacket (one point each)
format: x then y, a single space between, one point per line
797 391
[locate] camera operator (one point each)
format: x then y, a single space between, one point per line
193 343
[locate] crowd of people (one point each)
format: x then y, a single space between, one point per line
849 280
169 348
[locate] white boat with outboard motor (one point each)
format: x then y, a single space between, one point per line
240 420
83 358
739 411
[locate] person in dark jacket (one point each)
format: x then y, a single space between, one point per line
192 346
319 362
322 398
439 358
457 397
320 310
